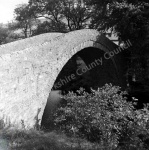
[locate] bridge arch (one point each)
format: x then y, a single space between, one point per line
29 72
92 70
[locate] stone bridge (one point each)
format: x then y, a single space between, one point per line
29 68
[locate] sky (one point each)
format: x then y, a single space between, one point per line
7 9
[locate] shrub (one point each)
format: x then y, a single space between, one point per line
104 116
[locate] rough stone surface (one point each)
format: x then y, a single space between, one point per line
29 67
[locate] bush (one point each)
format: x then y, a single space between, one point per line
104 116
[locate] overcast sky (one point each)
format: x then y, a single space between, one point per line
7 8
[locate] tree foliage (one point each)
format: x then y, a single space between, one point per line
47 26
127 19
3 34
69 12
104 116
24 19
7 35
124 16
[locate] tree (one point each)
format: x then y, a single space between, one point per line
3 34
11 37
73 14
24 19
47 26
128 19
6 34
124 17
77 14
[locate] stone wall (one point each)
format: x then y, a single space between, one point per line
29 67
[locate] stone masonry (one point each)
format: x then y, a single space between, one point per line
29 68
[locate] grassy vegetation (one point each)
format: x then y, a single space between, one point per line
14 139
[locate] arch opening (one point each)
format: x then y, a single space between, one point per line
88 68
